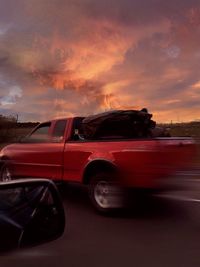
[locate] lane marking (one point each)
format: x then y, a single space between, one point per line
185 180
187 199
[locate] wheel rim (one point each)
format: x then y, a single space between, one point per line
107 195
6 175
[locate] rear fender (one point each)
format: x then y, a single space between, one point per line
95 166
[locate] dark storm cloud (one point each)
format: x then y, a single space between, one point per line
133 13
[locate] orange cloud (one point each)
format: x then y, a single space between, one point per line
89 56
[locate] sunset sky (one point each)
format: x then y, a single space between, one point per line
77 57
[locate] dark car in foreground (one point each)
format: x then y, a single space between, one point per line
31 213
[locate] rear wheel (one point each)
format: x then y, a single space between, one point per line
105 193
5 175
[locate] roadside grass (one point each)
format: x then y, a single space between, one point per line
15 135
22 132
184 129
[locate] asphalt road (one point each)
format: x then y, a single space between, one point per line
162 231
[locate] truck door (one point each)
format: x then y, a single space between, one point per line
41 153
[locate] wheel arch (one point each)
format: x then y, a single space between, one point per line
3 160
96 166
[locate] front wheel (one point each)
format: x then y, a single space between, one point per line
5 174
105 193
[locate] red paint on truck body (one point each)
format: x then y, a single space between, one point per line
139 162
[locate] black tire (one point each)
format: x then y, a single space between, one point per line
105 194
5 173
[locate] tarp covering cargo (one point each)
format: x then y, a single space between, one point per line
118 124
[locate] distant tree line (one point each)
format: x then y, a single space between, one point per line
7 124
27 124
184 129
12 130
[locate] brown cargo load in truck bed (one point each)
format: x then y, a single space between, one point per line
121 123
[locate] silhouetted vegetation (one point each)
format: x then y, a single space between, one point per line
184 129
7 126
11 130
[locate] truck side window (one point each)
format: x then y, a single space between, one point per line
77 132
59 130
41 133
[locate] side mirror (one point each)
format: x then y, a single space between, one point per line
31 213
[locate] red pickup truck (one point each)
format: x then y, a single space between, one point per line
57 150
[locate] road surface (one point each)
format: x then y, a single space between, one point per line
163 231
